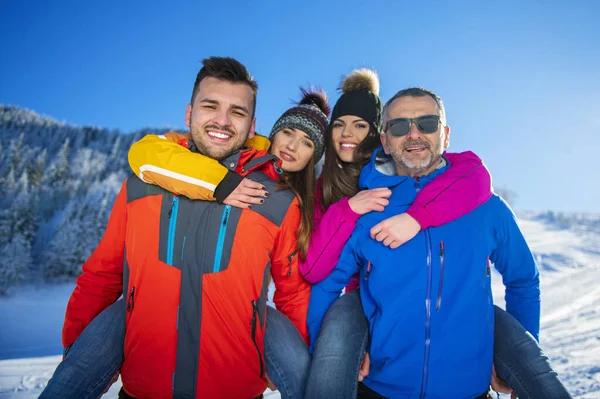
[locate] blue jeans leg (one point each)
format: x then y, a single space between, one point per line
521 362
94 358
286 355
339 350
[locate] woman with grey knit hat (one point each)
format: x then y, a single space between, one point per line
297 139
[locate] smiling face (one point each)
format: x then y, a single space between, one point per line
347 132
294 148
220 119
416 153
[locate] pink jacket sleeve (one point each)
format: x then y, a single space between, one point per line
331 231
456 192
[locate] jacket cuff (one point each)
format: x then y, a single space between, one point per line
227 185
424 218
349 214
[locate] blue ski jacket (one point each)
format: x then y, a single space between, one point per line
429 302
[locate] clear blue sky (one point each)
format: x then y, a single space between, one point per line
521 79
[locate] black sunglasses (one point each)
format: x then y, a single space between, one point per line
401 126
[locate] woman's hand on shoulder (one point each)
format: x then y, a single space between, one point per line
370 200
246 194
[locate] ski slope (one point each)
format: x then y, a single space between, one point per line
567 248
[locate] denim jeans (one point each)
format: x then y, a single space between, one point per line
97 355
93 360
339 350
521 362
287 356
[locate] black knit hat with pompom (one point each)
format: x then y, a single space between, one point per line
360 97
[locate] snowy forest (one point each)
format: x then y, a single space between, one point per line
57 183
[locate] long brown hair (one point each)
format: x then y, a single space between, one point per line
340 179
303 185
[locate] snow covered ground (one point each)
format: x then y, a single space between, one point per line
567 249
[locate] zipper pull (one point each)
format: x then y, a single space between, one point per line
488 270
227 208
172 206
290 260
442 249
131 303
291 256
368 271
254 313
277 169
418 183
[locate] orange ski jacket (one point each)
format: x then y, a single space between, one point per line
195 279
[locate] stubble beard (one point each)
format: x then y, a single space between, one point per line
200 138
409 167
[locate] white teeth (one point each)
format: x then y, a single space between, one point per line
348 146
218 135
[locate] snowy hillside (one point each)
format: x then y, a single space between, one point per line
57 185
567 248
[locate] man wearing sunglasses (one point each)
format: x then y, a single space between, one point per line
415 132
429 302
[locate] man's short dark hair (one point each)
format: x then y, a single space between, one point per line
227 69
416 92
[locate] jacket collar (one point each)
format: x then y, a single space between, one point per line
246 160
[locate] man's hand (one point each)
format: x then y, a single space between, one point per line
370 200
500 385
270 384
248 192
364 367
396 230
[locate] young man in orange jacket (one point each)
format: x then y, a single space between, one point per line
195 273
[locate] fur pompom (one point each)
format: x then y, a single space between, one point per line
316 97
361 79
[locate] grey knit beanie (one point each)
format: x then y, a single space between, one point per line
310 116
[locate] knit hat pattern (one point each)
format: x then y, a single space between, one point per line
310 116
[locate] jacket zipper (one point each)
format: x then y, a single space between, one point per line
254 322
427 305
439 297
368 270
427 319
130 301
221 238
172 226
291 259
488 274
